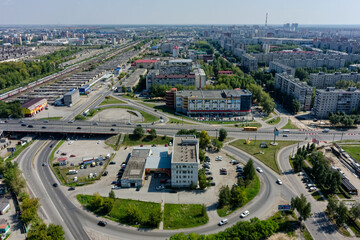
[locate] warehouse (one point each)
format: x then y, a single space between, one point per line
71 97
84 90
34 106
134 174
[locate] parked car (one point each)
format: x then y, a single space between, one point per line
208 173
78 128
96 123
206 166
72 155
209 178
30 126
55 184
24 124
111 129
223 222
218 158
163 180
278 181
159 188
114 125
212 183
63 154
207 159
244 214
112 163
71 189
115 187
43 127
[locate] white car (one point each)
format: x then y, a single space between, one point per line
279 182
218 158
259 170
244 214
313 189
223 222
159 188
115 187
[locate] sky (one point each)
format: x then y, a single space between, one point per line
304 12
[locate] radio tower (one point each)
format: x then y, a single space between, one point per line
266 19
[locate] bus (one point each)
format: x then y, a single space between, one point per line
250 128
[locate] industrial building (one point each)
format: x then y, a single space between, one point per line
133 79
134 174
34 106
335 100
294 87
71 97
212 103
84 90
185 161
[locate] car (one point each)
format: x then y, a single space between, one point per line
78 128
63 154
212 183
115 187
223 222
114 182
218 158
234 162
207 159
278 181
46 121
114 125
161 117
208 173
102 223
111 129
209 178
259 170
43 164
285 135
96 123
72 155
159 188
313 189
30 126
21 121
51 145
163 181
43 127
70 122
128 123
244 214
239 170
105 173
55 184
139 125
71 189
148 130
206 166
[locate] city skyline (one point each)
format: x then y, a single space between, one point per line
18 12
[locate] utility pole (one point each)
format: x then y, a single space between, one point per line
342 134
276 132
333 138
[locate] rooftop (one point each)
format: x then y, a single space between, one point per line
136 165
185 149
34 102
159 158
175 76
213 93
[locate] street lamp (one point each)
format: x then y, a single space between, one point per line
216 132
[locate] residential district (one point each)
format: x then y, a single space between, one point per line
179 132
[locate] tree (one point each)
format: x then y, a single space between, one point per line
55 232
302 74
13 178
204 139
202 179
152 133
298 162
96 202
112 194
133 214
222 134
138 132
201 155
224 196
332 206
29 208
355 210
341 214
302 206
249 170
123 89
238 196
295 106
107 205
217 144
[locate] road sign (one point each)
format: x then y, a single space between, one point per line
284 207
11 149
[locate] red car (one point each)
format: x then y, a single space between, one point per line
148 130
63 154
72 155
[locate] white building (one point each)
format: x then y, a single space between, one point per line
335 100
294 87
185 161
323 80
280 68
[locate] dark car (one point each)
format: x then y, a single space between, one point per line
55 185
209 178
102 223
112 163
114 182
114 125
212 183
71 188
78 128
207 159
105 173
23 124
43 127
111 129
30 126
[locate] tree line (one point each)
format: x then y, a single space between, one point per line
344 119
288 101
338 212
12 109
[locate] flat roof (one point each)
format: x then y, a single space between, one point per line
165 76
213 93
136 165
33 103
185 149
159 158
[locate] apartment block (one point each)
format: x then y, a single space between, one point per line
323 80
249 62
335 100
281 68
184 161
294 87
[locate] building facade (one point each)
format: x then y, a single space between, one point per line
71 97
335 100
294 87
185 161
34 106
249 62
134 174
211 102
281 68
323 80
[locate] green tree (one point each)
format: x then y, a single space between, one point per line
55 232
96 203
298 162
123 89
249 170
202 179
152 133
301 74
112 194
332 206
155 217
355 210
107 205
13 178
29 208
217 144
201 155
138 132
133 214
204 139
341 214
302 206
222 134
224 196
238 196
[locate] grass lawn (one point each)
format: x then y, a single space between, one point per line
353 150
269 156
249 124
287 222
289 125
50 118
159 140
111 100
177 121
251 191
118 212
18 150
274 122
113 141
184 216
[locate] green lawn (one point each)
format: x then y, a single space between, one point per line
274 122
269 156
289 125
159 140
111 100
251 191
353 150
177 121
113 142
184 216
50 118
118 212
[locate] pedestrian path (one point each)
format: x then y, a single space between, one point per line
161 225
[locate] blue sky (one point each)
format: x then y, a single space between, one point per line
178 12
